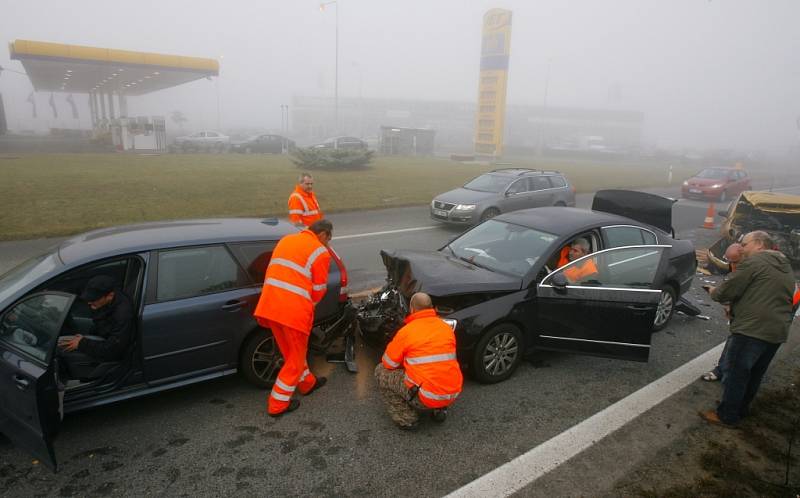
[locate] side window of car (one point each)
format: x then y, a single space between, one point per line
200 134
518 186
254 257
626 236
539 183
33 325
630 268
197 271
558 181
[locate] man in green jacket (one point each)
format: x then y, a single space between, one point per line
760 294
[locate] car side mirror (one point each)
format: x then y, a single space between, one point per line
559 282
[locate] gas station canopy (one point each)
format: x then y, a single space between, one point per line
56 67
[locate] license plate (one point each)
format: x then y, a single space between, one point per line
440 212
695 191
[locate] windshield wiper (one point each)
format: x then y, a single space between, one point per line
473 263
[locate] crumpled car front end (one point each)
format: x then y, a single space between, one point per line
777 214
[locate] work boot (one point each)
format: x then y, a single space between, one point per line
321 381
439 415
294 404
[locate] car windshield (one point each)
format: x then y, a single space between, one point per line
503 247
26 272
488 183
713 173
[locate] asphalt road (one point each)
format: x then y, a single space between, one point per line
215 438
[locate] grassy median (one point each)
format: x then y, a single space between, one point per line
43 195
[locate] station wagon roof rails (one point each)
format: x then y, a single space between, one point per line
520 171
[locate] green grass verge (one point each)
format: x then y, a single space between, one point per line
43 195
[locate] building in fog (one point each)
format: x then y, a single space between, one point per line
395 141
528 128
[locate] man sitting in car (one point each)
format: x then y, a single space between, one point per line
111 332
582 271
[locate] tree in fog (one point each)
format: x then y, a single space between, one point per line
178 118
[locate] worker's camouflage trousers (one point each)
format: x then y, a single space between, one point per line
395 395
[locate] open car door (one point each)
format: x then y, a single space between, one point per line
602 304
29 401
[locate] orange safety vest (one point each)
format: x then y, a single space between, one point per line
563 257
303 207
796 298
296 280
426 349
584 269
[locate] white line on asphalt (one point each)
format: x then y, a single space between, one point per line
386 232
526 468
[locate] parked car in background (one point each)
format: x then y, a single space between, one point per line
716 184
342 143
203 141
194 285
500 286
502 191
270 144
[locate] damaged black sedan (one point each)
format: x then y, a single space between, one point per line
502 288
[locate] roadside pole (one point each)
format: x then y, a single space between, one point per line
669 176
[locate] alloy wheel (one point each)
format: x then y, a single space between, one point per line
267 359
664 311
500 353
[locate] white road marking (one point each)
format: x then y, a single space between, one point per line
385 232
526 468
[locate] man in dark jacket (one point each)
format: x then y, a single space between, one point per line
111 333
760 294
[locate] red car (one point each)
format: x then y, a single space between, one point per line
719 184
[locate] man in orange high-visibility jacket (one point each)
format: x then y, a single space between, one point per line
583 270
303 206
419 370
296 280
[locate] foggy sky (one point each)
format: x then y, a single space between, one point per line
706 74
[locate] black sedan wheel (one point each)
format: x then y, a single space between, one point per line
261 359
666 308
497 354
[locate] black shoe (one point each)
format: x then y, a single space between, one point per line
294 404
321 381
410 428
439 415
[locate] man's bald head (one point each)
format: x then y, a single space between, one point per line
734 253
420 301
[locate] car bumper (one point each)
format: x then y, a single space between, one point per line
453 216
703 193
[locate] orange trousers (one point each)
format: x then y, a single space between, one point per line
294 374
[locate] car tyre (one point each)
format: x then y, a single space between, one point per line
560 204
260 359
666 308
497 354
489 214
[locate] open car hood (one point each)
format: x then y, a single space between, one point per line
440 275
772 202
647 208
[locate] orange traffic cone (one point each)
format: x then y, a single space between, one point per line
709 221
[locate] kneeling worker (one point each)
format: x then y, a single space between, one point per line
419 370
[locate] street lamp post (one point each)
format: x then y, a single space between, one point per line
219 119
336 70
544 107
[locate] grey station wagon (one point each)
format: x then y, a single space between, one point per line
193 284
502 191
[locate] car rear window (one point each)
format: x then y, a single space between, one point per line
254 257
558 181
